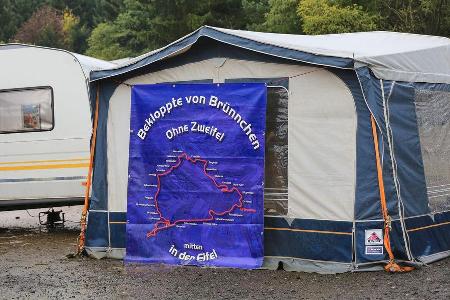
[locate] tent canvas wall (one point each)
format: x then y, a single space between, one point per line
322 191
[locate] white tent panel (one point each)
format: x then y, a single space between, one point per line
118 142
322 147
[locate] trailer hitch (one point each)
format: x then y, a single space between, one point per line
53 218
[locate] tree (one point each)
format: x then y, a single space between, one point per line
416 16
7 22
145 25
255 12
282 17
321 17
75 34
52 28
88 14
44 28
272 15
131 27
107 34
13 13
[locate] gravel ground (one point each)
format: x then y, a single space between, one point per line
33 264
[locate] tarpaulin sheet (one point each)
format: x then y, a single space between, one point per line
196 174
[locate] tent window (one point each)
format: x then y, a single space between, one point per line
433 118
26 110
276 162
276 148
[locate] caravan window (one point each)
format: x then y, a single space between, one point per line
26 110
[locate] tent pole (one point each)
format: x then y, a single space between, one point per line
82 237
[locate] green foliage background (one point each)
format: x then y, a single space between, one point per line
111 29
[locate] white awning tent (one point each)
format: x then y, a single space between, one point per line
325 91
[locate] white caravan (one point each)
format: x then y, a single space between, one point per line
45 126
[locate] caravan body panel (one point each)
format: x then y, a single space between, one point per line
45 128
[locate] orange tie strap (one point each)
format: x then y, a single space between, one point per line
392 266
82 237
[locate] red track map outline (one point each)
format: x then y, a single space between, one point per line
222 187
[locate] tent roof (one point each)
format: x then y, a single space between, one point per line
390 55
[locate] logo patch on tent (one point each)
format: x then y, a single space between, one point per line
374 250
374 237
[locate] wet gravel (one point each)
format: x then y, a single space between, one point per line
33 264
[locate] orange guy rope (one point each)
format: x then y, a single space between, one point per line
82 237
392 266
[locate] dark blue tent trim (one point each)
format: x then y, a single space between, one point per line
241 42
406 145
99 195
117 225
372 94
305 239
429 234
97 234
300 239
97 229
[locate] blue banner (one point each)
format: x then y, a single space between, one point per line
196 174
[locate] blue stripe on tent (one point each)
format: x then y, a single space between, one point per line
99 196
118 235
97 229
429 234
97 233
118 217
117 224
97 226
229 39
299 239
306 239
373 98
406 145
